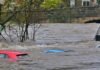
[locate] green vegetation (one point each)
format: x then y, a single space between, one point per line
51 4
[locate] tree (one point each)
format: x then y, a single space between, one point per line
29 16
24 13
51 4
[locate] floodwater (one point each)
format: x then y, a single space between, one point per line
75 58
77 40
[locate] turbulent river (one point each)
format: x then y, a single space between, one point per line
82 52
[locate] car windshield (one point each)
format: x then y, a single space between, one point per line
3 56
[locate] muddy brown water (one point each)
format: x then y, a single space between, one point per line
77 40
81 58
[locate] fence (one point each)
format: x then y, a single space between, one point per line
66 15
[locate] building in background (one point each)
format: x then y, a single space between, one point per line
83 3
88 3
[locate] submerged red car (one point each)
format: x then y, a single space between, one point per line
12 55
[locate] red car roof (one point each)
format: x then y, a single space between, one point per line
11 52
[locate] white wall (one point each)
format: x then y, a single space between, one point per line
72 3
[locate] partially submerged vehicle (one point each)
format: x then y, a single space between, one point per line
12 55
97 36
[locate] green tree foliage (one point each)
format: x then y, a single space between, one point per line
51 4
35 6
